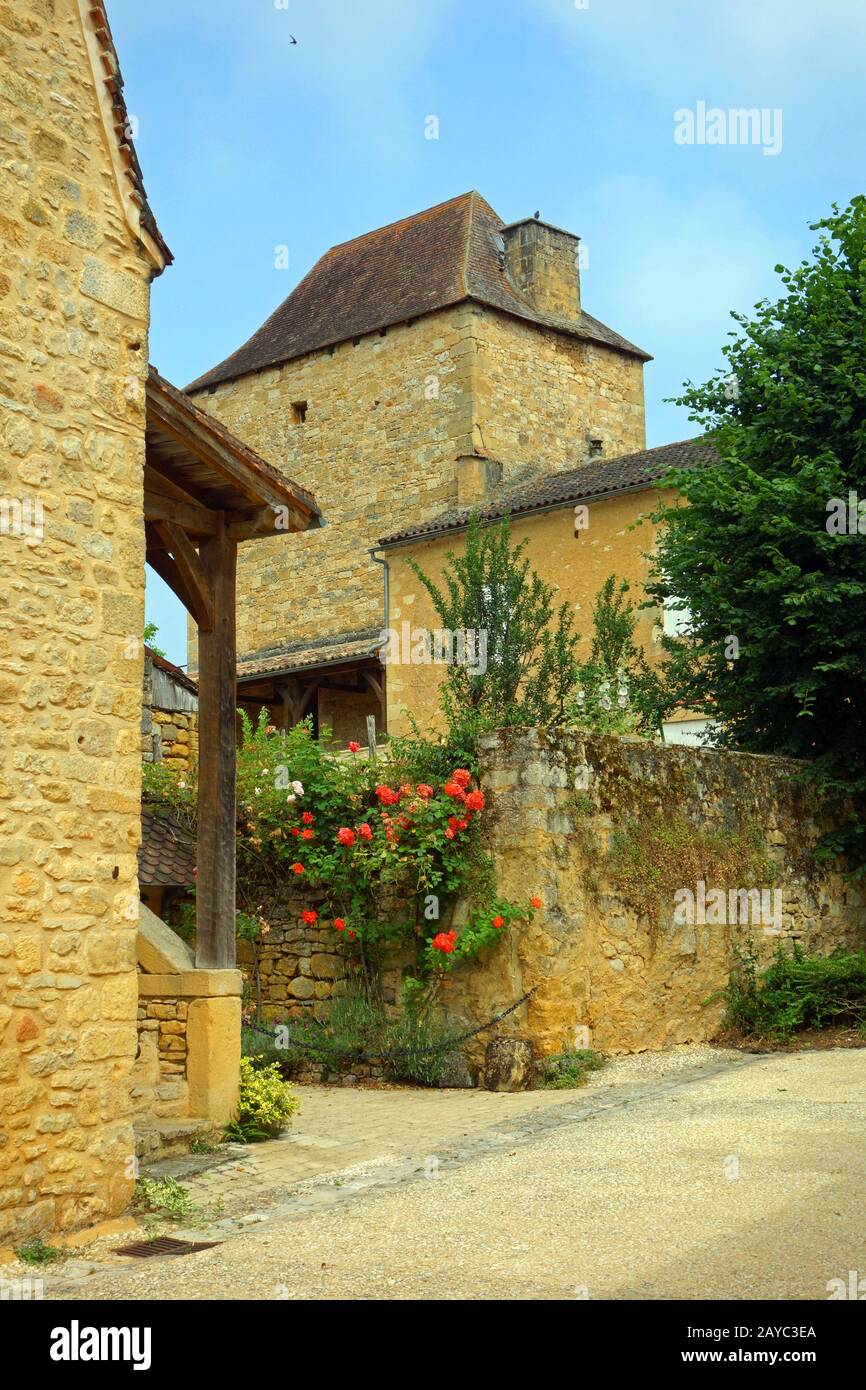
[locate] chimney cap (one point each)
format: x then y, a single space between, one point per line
538 222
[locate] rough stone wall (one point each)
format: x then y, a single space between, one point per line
74 305
575 564
167 736
606 972
385 421
569 819
162 1041
539 394
302 969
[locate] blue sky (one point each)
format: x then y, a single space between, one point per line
249 142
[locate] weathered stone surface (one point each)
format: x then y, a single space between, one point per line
455 1072
72 427
508 1064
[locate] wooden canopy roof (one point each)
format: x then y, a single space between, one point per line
199 480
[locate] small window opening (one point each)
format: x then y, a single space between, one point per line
299 412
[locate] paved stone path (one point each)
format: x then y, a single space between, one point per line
693 1174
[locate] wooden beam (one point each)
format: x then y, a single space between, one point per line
159 560
194 520
158 477
217 669
263 522
200 596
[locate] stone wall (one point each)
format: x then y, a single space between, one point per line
168 735
386 418
74 307
606 830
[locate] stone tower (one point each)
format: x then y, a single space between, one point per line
440 338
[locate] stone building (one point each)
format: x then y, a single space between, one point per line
105 466
80 248
443 336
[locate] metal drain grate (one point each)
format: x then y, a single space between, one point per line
165 1245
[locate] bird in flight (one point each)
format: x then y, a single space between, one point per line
293 39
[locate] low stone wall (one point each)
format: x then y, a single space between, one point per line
611 833
301 969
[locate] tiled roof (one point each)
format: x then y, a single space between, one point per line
589 483
114 85
166 857
447 254
300 656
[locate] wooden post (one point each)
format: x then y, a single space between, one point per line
371 736
217 739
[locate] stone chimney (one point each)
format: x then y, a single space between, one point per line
541 263
476 476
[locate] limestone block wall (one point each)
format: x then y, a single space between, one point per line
385 419
539 393
74 307
606 830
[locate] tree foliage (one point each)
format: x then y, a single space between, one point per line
777 595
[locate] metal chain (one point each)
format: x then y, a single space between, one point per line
405 1051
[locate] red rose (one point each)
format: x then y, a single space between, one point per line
309 916
345 836
474 800
295 830
461 777
424 791
297 868
386 795
354 747
308 834
350 934
444 942
405 789
453 789
365 831
450 832
536 902
499 921
340 923
307 817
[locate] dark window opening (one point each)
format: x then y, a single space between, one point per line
299 412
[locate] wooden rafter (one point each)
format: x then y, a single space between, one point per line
197 594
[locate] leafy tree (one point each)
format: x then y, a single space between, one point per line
529 670
777 597
617 690
150 632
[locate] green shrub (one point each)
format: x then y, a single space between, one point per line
569 1069
163 1197
36 1252
265 1103
794 992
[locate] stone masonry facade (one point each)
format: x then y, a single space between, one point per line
592 823
386 418
74 311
